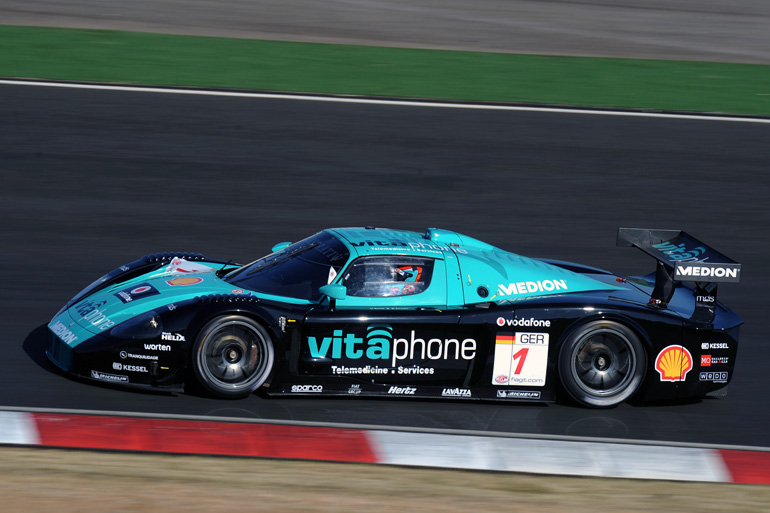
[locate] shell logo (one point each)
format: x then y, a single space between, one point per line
673 363
187 280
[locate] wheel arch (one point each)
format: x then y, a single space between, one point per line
208 315
619 318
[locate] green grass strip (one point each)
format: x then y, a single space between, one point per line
158 59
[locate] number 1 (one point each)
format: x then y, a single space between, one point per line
523 354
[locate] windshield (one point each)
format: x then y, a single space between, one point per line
297 271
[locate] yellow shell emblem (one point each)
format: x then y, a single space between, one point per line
673 363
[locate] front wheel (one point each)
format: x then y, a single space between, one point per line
602 364
232 356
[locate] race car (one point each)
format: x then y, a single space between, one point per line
380 312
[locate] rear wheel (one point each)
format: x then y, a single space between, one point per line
602 364
232 356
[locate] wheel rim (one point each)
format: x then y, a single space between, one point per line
234 356
603 362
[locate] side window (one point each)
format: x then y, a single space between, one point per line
386 276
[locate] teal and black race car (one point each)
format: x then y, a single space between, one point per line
376 312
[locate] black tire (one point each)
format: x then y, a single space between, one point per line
232 356
602 364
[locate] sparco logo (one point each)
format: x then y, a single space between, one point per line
714 345
307 388
537 323
172 337
402 390
456 392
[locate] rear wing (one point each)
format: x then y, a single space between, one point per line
682 257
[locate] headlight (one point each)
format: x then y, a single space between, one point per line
147 325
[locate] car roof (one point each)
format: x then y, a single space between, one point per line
434 242
506 275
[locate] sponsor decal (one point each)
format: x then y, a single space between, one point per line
354 389
531 287
714 345
124 268
125 354
307 388
380 344
524 323
705 299
172 337
714 377
680 252
707 360
415 246
157 347
108 377
138 292
369 369
414 369
402 390
180 266
130 368
521 358
456 392
90 312
184 281
240 292
518 394
673 363
171 307
714 272
61 331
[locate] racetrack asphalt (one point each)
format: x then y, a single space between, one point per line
709 30
94 179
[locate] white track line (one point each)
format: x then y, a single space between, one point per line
371 101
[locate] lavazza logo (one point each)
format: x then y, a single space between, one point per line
456 392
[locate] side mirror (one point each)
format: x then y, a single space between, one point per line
280 246
334 291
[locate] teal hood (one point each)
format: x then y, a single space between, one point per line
115 304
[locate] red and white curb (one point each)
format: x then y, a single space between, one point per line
472 452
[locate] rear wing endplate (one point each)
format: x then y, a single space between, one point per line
682 257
